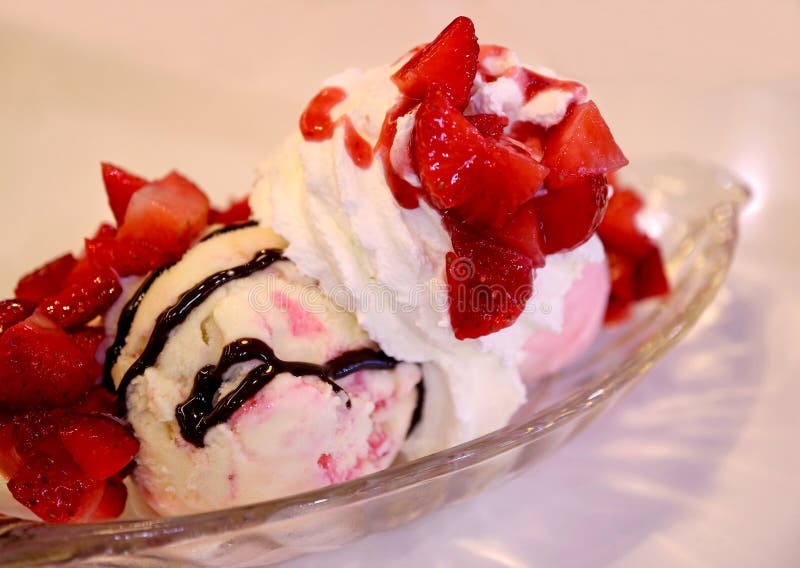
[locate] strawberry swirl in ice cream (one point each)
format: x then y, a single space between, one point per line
482 174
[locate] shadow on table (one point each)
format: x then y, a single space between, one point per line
639 469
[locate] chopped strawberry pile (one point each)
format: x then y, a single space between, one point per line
637 270
63 448
509 193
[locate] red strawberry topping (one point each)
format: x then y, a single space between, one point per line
14 311
237 212
42 366
490 125
46 280
120 187
98 444
84 300
450 62
582 144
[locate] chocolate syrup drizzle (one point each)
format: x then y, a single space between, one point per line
198 413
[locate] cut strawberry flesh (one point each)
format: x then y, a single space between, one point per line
449 62
570 213
490 125
14 311
84 300
98 444
41 366
488 283
46 280
237 212
112 503
582 144
120 187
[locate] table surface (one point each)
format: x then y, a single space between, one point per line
698 466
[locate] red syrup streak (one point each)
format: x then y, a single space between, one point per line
406 195
317 125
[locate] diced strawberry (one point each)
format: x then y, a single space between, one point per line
35 432
521 233
9 459
14 311
649 278
485 180
55 489
113 501
570 212
125 257
98 444
84 300
41 366
618 228
167 215
488 283
88 339
621 271
531 135
120 187
99 400
237 212
450 61
45 280
490 125
582 145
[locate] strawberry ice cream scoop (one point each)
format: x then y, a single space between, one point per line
244 383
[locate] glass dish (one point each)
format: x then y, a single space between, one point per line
692 209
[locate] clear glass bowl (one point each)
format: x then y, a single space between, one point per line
692 209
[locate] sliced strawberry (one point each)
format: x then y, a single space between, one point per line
55 489
99 400
113 501
88 339
84 300
490 125
41 366
166 215
237 212
14 311
570 212
485 180
120 187
649 278
488 283
45 280
531 135
36 431
582 145
521 234
98 444
9 459
450 61
621 271
618 229
125 257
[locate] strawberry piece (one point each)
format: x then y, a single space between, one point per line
55 489
120 187
532 136
582 145
570 212
88 339
237 212
485 180
521 234
98 444
9 460
490 125
84 300
167 216
618 229
45 280
41 366
100 400
450 61
125 257
649 278
488 283
113 501
36 432
14 311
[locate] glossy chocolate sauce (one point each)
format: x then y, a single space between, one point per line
199 412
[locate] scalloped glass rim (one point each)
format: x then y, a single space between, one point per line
692 209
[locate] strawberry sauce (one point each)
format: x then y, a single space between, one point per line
317 125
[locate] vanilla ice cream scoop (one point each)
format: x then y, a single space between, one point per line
243 382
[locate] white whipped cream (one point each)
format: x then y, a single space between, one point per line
386 264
